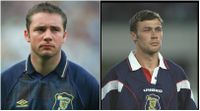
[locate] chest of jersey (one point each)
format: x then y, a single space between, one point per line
50 92
152 96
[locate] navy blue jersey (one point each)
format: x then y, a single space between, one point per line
67 87
130 86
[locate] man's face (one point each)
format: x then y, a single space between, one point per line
149 35
46 34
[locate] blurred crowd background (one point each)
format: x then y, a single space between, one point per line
180 42
83 42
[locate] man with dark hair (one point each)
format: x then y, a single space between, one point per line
48 8
145 80
47 79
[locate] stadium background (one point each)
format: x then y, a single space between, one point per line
180 42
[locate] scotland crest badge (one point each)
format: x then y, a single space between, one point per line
63 101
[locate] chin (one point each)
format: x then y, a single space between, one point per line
47 53
154 51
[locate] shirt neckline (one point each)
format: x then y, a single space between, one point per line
135 65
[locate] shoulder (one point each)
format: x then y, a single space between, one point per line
14 71
86 85
177 71
117 71
173 65
121 66
80 75
9 77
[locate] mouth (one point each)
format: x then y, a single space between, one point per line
154 43
46 46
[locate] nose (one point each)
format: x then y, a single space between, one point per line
48 35
154 34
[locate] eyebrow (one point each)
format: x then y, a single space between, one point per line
39 27
44 27
148 27
159 26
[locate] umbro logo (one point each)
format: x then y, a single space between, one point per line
22 103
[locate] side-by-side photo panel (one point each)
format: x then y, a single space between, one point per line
149 56
50 55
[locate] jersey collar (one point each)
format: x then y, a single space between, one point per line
60 69
62 66
135 65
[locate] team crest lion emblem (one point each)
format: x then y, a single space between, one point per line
63 101
152 102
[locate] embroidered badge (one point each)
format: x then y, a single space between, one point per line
152 102
22 103
63 101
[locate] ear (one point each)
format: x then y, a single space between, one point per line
26 35
65 36
134 36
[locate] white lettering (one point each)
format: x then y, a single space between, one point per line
153 90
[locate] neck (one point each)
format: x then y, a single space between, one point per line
148 61
45 65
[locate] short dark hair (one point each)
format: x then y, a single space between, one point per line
48 8
141 16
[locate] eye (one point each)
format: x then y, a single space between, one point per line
40 29
158 29
55 29
146 29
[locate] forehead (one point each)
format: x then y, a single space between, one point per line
149 23
42 18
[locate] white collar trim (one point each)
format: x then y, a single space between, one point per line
135 65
